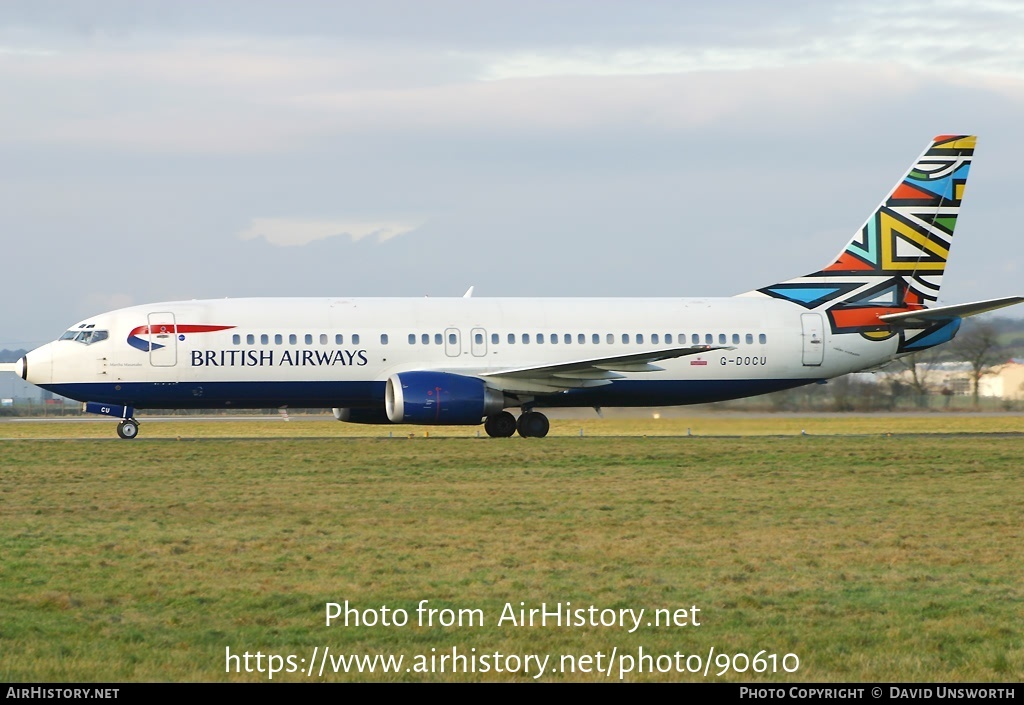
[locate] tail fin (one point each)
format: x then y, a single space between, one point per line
905 243
895 262
898 257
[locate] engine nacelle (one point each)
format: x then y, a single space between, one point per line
374 415
440 398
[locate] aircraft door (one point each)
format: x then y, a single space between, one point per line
478 344
813 339
452 342
163 340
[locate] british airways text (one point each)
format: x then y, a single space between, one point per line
274 358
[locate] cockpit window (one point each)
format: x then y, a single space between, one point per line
87 337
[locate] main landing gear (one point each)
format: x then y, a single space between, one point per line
128 429
531 424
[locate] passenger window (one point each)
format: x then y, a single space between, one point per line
526 338
250 339
264 339
511 338
762 338
554 338
323 339
452 339
750 338
355 339
383 338
292 339
309 338
540 339
625 337
581 339
654 338
412 339
338 339
695 339
568 339
640 338
478 338
236 339
721 338
709 339
735 338
438 340
610 338
425 338
668 338
494 338
278 339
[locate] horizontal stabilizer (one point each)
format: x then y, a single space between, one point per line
947 313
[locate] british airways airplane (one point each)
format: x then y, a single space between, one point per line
467 360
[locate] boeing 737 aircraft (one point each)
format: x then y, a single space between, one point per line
467 360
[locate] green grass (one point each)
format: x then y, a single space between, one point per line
710 424
871 557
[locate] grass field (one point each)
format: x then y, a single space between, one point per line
869 556
721 424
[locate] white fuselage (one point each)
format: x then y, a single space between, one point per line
338 352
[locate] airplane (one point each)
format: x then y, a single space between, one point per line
466 361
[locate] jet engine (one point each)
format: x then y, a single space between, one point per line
440 398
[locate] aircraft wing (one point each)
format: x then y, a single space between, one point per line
948 313
589 372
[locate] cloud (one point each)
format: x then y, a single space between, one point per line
291 232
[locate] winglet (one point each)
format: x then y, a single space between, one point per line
468 294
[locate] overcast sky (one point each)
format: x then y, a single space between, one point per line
152 151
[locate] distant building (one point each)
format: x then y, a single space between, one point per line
1004 381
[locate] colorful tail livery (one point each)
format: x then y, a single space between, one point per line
894 263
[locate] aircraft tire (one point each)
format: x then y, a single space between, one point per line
502 425
128 429
533 424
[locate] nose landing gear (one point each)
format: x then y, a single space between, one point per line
128 429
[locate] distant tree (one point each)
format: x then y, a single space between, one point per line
977 344
920 368
897 390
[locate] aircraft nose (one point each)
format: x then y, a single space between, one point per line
37 366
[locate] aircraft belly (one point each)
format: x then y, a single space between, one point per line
200 394
668 392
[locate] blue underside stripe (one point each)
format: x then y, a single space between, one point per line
263 395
